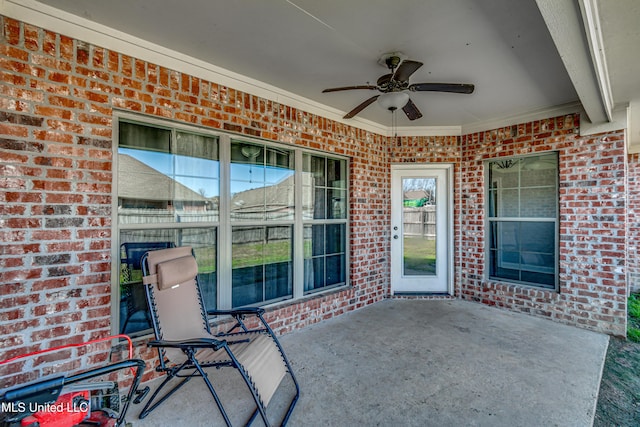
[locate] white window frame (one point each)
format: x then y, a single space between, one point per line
497 219
224 225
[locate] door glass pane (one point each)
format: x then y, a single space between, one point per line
419 226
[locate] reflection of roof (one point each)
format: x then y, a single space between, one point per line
137 180
273 196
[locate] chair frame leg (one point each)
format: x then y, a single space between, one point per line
171 375
205 378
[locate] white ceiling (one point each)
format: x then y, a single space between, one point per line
303 46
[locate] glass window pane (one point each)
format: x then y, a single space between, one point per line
279 200
198 146
336 203
262 182
319 280
132 135
262 264
523 251
204 244
155 185
247 248
508 203
278 244
505 236
134 314
279 158
336 173
316 166
536 262
542 279
539 170
335 270
321 267
504 173
318 240
335 239
538 202
244 152
537 237
319 202
278 280
247 285
145 191
504 265
308 200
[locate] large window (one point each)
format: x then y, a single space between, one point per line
522 215
239 203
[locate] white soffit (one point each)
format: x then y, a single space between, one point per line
565 23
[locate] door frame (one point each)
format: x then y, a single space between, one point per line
448 169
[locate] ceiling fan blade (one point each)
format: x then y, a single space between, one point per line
411 111
404 70
336 89
361 107
442 87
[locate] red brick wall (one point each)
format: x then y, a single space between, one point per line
592 206
56 111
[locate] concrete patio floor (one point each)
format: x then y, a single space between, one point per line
420 363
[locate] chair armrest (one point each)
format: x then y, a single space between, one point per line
237 312
191 343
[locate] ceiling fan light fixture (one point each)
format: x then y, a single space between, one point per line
393 100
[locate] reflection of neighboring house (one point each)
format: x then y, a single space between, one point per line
144 191
276 200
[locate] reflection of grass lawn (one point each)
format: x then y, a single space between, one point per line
419 255
248 254
244 255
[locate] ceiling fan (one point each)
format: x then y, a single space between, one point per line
395 87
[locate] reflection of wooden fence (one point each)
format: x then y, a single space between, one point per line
154 216
259 234
420 221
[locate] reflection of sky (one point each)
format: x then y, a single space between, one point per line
247 177
199 175
202 175
417 184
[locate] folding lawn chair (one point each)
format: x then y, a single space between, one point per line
186 345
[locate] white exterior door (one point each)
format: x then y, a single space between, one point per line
421 229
